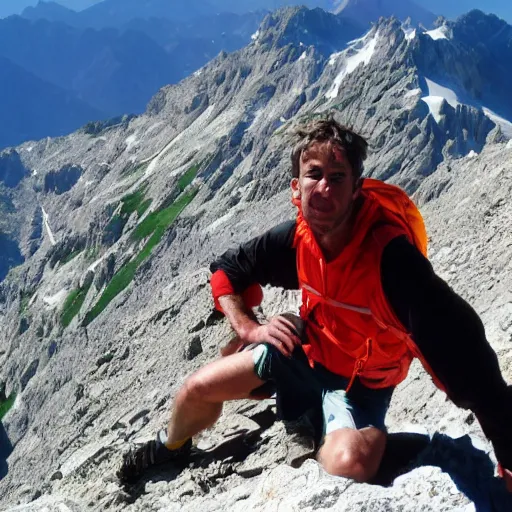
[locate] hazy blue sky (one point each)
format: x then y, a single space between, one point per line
449 8
453 8
8 7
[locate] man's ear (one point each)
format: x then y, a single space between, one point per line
295 188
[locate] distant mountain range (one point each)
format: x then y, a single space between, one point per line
110 71
31 108
113 55
109 13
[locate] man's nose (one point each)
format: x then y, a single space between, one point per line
324 186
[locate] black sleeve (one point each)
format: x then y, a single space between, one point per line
267 259
445 328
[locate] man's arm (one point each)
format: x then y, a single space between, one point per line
446 329
451 339
266 259
238 275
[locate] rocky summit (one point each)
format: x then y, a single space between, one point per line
107 236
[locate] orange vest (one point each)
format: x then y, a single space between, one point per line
351 329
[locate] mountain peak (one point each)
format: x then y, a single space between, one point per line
307 27
51 11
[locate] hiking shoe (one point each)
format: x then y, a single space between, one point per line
300 442
149 454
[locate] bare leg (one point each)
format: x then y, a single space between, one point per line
198 403
355 454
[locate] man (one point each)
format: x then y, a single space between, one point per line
371 302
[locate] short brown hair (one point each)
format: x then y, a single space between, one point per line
329 130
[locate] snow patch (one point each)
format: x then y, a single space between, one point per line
255 36
282 119
472 154
436 94
434 105
435 89
509 144
303 56
57 299
130 142
199 72
410 33
412 92
34 172
504 124
29 149
438 33
47 226
364 50
332 59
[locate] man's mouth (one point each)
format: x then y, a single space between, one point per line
321 207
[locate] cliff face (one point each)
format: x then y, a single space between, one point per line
118 223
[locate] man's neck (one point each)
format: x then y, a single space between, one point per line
333 243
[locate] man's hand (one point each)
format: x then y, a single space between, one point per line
279 332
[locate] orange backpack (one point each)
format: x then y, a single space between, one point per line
400 208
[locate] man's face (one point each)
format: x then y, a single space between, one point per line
326 186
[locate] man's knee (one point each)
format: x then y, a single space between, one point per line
228 378
196 388
347 463
350 455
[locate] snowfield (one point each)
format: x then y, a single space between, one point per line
364 50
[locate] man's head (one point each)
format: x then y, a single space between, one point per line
327 164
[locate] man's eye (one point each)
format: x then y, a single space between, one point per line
337 178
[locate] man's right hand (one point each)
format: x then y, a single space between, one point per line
279 332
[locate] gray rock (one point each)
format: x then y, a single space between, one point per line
56 476
194 348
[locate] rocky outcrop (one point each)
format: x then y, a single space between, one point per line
62 180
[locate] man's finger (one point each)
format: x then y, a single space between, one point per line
287 328
283 337
288 323
279 346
